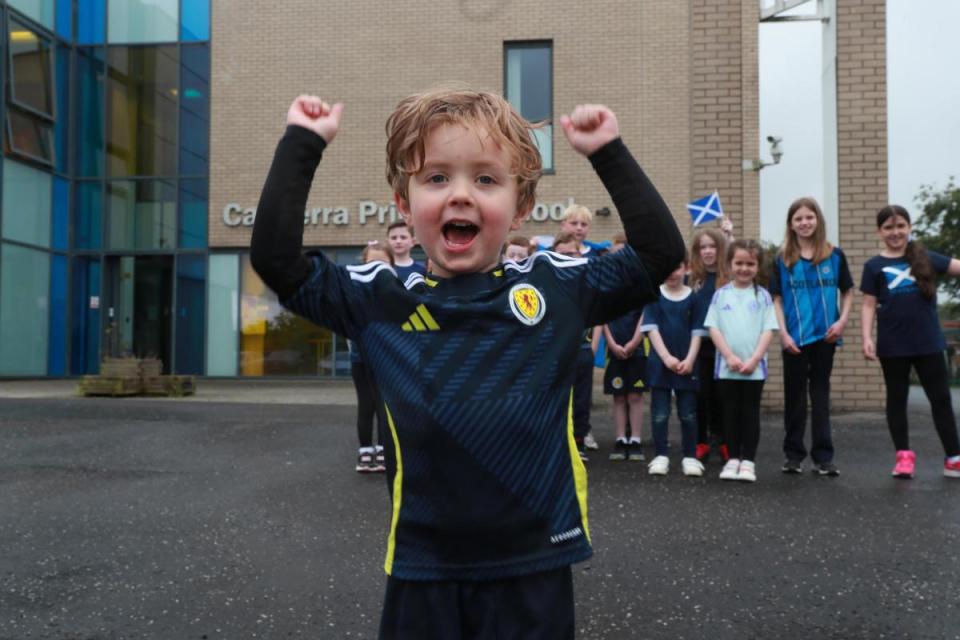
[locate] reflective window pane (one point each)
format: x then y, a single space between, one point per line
30 135
65 19
142 131
31 66
24 310
57 341
141 214
61 214
62 126
194 20
193 213
26 203
88 145
39 10
529 88
85 319
194 109
274 341
142 21
91 21
191 307
87 218
223 307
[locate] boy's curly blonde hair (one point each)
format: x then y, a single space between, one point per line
416 116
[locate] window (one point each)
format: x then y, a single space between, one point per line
194 20
141 214
26 204
24 310
142 21
88 137
31 69
528 83
91 21
39 10
142 129
30 117
223 307
194 109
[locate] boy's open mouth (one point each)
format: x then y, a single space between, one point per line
459 233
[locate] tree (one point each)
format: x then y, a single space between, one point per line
939 226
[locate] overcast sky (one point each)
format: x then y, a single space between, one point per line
923 85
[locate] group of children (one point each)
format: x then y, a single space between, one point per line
713 324
473 362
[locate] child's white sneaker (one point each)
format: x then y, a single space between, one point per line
692 467
731 470
659 466
747 472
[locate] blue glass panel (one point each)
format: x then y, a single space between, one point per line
88 145
24 310
91 21
61 128
57 345
65 19
194 109
194 20
191 313
26 203
88 215
193 213
141 214
59 234
142 21
39 10
85 303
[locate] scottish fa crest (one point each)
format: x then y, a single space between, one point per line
527 304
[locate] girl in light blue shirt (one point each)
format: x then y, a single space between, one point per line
741 321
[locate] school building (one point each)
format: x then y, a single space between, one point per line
137 135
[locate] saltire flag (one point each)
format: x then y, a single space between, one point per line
705 209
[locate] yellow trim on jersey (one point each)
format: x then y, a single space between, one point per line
417 323
430 283
397 493
498 273
579 470
427 318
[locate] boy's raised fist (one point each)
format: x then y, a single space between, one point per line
310 112
589 127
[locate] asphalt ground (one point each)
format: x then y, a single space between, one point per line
200 519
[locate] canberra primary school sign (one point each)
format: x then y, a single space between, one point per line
235 215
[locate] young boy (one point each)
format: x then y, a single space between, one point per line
489 496
400 239
517 248
623 377
576 220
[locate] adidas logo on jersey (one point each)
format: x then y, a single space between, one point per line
420 320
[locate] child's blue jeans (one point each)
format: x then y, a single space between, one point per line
660 416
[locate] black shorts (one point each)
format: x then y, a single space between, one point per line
624 376
534 607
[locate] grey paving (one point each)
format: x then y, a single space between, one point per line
209 519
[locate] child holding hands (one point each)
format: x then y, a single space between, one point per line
488 497
674 324
741 320
623 377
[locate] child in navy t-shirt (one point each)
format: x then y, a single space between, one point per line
900 292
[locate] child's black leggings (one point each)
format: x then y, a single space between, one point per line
368 400
741 416
932 371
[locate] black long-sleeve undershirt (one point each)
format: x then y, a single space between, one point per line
277 245
276 249
647 221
